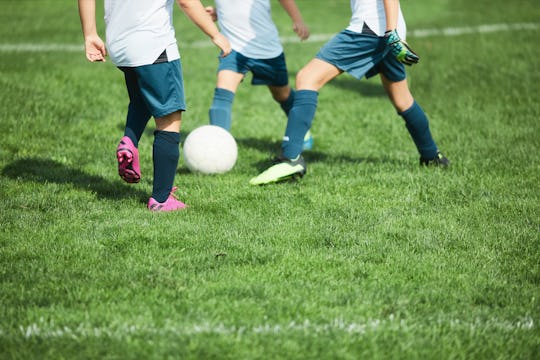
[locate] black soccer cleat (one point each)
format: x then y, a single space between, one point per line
439 160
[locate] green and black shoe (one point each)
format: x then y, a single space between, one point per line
439 160
283 169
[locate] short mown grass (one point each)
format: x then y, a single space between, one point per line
368 256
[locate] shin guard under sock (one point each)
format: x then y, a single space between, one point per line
166 153
221 109
417 124
299 122
137 119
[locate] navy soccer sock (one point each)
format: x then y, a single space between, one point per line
137 119
221 109
417 123
166 153
299 122
288 103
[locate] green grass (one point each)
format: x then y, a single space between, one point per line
368 256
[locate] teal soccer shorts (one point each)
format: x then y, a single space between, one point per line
360 55
159 87
272 72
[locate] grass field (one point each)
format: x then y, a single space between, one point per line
369 256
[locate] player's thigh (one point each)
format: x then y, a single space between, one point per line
315 74
229 80
398 92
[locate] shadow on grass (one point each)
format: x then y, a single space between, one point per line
262 145
45 170
272 148
360 87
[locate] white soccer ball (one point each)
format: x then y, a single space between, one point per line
210 149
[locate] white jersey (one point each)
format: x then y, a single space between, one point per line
249 27
372 13
138 31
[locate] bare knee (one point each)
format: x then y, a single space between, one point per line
305 81
398 93
315 75
170 122
402 103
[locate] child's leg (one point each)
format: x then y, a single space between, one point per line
284 95
299 122
138 113
161 86
309 80
287 104
166 153
220 112
137 119
417 123
415 118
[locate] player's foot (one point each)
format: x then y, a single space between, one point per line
283 169
171 204
128 161
439 160
308 141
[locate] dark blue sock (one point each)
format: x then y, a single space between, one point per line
138 113
220 111
299 122
417 123
288 104
166 153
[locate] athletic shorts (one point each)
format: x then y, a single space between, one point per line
271 72
159 86
362 54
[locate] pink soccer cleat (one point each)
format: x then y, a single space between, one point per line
171 204
128 161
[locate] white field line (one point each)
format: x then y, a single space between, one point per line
420 33
450 31
47 329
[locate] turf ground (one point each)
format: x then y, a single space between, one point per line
368 256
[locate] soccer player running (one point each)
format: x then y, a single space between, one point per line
373 43
141 42
257 48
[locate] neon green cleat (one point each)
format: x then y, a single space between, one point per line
284 169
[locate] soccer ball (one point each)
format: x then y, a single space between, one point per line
210 149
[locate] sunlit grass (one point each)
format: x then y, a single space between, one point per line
368 256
